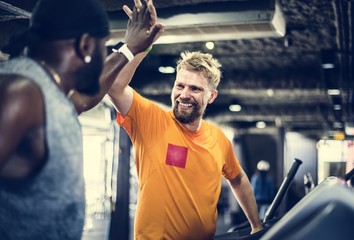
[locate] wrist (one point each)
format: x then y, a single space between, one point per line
148 49
123 49
256 228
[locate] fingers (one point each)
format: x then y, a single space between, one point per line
135 14
127 11
153 14
138 4
156 31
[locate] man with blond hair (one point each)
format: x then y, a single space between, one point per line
180 157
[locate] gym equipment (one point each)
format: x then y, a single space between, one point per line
327 212
269 219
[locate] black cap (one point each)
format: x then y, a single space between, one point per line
65 19
60 20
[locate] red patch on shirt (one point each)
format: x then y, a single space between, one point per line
176 156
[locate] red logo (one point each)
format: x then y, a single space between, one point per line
176 156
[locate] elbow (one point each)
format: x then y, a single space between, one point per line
235 182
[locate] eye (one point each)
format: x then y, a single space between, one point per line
196 89
179 86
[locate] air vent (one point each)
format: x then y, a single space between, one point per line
228 24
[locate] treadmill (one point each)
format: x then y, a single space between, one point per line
243 231
327 212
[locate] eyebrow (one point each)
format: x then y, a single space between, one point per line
190 85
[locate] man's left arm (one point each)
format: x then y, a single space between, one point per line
242 190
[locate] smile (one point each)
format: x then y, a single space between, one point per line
185 104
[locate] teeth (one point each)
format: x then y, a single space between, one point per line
185 104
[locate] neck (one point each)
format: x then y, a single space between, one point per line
193 127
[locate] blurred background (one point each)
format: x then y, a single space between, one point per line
286 93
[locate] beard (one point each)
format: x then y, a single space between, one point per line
186 117
88 76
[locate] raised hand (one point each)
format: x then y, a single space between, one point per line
138 5
143 29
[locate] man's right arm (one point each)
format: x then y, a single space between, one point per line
120 93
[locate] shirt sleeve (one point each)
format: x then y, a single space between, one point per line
143 119
231 167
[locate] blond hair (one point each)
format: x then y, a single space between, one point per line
203 63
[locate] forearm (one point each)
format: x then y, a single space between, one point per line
123 78
120 94
115 77
242 190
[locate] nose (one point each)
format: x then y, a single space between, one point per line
185 93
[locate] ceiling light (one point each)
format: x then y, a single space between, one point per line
209 45
261 124
333 92
270 92
327 65
235 107
337 107
166 69
328 58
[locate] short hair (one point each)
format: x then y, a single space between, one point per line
204 63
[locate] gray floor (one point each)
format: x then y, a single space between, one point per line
96 228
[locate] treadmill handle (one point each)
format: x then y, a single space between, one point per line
282 190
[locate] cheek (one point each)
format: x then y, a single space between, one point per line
206 100
173 98
209 98
174 94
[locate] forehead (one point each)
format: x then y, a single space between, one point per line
191 78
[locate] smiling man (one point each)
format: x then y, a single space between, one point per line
180 157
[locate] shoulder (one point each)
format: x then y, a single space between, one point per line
219 132
19 86
19 93
142 103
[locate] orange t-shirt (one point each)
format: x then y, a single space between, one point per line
179 173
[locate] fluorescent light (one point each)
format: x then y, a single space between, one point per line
166 70
333 92
261 124
235 107
327 65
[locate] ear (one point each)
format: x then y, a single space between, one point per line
213 95
85 46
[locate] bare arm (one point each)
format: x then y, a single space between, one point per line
242 190
121 94
22 141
